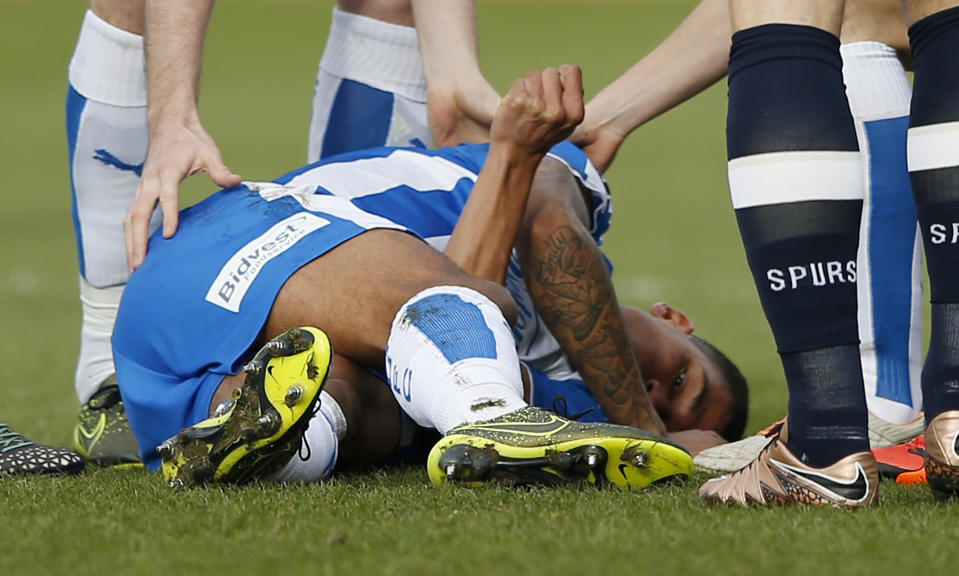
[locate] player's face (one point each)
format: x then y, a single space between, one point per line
683 383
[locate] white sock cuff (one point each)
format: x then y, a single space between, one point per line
107 65
494 389
333 412
876 83
383 55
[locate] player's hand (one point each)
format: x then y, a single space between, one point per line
599 143
461 115
695 441
174 153
539 111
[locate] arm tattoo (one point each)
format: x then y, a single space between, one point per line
574 295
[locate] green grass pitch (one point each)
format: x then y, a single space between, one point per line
675 239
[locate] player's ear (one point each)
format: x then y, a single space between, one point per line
674 316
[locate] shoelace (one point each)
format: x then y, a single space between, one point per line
10 440
105 398
560 407
304 445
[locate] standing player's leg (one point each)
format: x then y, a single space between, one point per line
107 138
889 264
796 184
370 88
933 157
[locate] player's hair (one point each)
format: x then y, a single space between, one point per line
738 388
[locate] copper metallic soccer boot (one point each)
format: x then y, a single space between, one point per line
735 455
777 477
942 455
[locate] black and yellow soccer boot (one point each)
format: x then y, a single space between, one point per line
257 432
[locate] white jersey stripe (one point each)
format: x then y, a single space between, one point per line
785 177
934 146
368 176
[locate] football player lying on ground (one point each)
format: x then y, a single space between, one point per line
373 431
570 330
559 279
447 335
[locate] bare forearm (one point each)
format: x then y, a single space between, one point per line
572 291
484 236
540 110
690 60
447 36
174 33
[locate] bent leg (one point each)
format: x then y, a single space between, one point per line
354 291
450 355
107 138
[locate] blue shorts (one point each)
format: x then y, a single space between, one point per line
191 314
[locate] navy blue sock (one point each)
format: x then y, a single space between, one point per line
796 181
934 171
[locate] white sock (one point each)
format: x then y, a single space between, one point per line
107 132
380 55
451 359
106 126
889 269
107 64
317 457
96 354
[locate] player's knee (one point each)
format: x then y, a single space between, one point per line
500 296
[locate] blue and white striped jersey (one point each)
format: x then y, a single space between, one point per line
425 191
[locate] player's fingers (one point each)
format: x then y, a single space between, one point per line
534 88
136 226
219 173
552 94
169 205
515 89
515 98
572 79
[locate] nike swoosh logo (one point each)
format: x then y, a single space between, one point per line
856 489
527 428
622 470
93 436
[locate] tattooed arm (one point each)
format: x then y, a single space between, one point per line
570 285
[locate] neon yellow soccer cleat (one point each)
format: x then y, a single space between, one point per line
103 435
533 446
261 428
